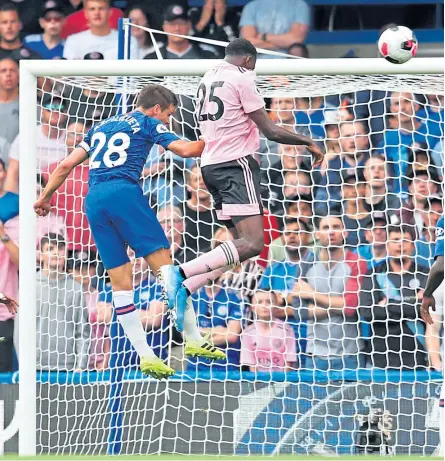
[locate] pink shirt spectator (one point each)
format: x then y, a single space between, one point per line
227 94
268 349
9 272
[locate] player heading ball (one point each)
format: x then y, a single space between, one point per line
231 113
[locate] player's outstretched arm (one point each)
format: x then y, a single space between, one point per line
435 278
187 149
42 207
282 136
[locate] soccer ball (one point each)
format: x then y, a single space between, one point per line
398 44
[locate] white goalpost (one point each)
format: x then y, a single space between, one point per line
68 411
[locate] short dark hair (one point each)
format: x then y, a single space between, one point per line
402 229
241 47
53 239
9 7
154 94
300 222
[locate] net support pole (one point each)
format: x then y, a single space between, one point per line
27 406
124 53
115 398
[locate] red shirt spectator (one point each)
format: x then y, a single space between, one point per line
69 202
77 22
69 198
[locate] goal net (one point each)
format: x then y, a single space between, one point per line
334 362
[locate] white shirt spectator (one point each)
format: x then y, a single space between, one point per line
83 43
48 150
284 21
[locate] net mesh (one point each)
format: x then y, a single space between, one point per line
337 294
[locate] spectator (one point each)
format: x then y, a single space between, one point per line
152 311
63 328
9 105
68 201
292 158
48 45
275 24
432 113
198 217
9 267
390 302
285 187
9 201
176 21
172 221
99 38
139 17
354 142
310 114
10 44
433 332
426 241
88 103
332 119
50 143
78 21
83 269
299 207
370 107
378 196
219 311
164 175
281 276
215 22
355 214
374 251
268 344
331 288
409 132
423 184
282 110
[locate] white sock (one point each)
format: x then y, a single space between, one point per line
128 317
191 331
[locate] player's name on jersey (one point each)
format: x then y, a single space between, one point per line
134 124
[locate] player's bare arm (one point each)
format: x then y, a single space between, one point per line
187 149
42 207
435 278
275 133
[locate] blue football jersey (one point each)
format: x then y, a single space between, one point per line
439 251
118 146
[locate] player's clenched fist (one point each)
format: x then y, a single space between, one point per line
42 207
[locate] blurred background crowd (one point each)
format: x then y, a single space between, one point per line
348 245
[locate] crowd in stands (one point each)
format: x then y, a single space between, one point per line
348 245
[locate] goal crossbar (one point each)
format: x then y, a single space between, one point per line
186 67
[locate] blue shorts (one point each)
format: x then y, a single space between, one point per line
119 215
